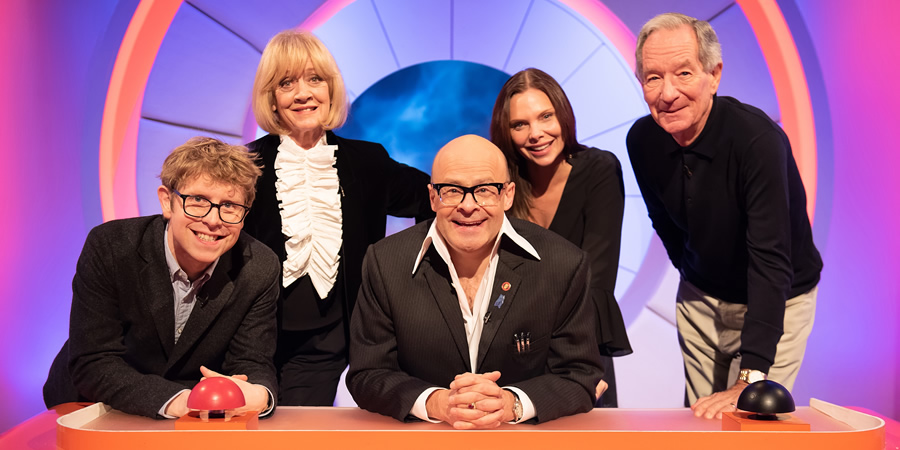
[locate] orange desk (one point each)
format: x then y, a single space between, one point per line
98 427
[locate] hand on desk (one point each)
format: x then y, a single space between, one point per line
256 396
178 406
714 405
474 401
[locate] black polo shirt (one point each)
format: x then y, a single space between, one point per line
731 211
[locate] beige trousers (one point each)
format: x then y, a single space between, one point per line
709 332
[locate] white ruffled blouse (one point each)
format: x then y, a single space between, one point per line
307 188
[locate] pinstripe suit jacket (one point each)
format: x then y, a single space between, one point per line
121 348
407 332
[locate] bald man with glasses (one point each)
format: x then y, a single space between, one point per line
473 318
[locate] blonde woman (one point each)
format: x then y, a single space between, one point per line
321 201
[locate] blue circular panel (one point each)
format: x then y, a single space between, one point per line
415 111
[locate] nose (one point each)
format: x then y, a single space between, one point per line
468 203
212 219
302 93
536 133
669 93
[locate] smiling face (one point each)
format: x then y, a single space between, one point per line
196 243
302 102
535 129
468 228
676 88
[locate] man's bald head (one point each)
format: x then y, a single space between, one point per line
469 151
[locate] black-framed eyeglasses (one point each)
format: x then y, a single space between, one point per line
199 207
485 194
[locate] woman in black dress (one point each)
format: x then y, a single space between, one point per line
573 190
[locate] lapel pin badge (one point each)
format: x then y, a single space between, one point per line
505 286
499 302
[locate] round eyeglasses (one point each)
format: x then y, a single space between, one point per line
199 207
485 194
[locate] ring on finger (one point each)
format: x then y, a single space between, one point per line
472 405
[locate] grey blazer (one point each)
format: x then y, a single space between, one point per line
121 348
407 332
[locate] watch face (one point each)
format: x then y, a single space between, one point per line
752 376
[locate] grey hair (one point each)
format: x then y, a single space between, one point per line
709 50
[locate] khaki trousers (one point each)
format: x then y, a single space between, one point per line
709 332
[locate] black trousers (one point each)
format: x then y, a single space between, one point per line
309 364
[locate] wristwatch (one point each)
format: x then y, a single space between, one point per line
517 408
751 376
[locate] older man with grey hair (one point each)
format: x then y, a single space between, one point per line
725 197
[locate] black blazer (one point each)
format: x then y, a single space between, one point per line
407 333
372 186
121 347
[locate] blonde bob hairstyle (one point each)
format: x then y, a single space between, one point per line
285 56
221 163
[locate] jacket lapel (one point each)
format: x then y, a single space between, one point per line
210 301
501 301
157 286
437 275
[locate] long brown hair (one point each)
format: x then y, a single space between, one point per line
530 78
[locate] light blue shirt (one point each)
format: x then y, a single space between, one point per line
185 292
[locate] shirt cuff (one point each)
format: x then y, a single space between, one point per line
528 411
271 405
419 410
162 411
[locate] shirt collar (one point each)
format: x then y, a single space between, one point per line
175 268
433 237
706 150
289 143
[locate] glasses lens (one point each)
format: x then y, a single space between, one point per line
231 213
486 195
196 206
451 195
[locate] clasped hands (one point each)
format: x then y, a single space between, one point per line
474 401
256 397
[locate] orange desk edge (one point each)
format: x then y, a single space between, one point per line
833 427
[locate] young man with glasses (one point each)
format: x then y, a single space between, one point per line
474 318
161 301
